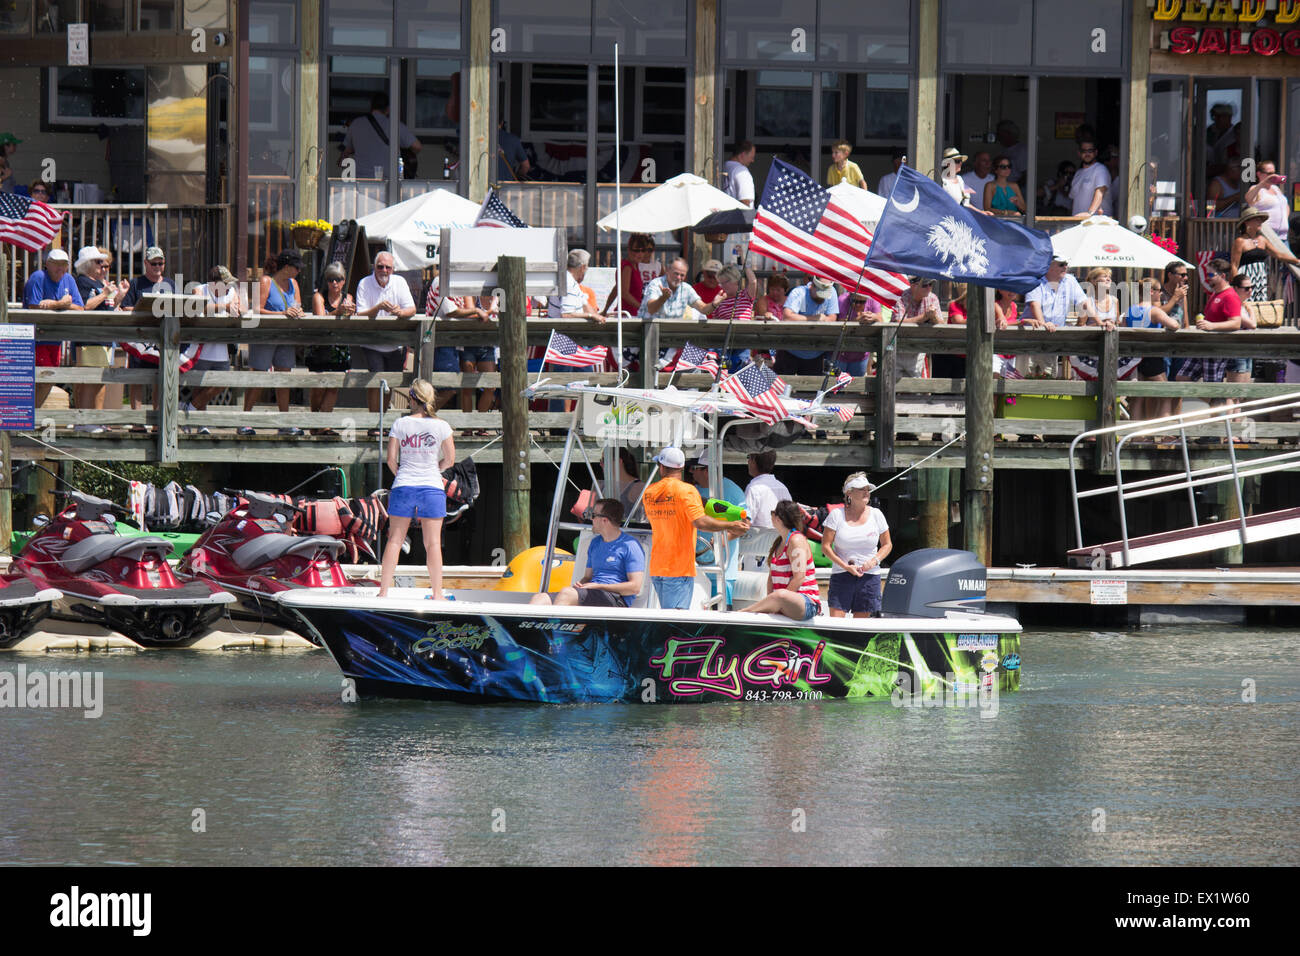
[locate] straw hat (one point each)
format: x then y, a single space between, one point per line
1251 212
952 153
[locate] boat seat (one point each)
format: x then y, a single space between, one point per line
268 547
647 598
89 552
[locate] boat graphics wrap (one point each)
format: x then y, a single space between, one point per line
480 657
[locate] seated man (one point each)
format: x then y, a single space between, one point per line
615 564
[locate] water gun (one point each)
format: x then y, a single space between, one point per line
724 510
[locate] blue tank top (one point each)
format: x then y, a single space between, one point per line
277 300
1004 199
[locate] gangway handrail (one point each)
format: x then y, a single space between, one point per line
1190 479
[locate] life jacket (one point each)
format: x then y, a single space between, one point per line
329 516
165 506
367 520
815 520
461 486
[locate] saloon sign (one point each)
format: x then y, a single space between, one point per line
1261 27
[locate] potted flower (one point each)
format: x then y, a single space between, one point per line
307 233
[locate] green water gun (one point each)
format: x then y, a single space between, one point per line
724 510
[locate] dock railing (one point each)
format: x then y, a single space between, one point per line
888 406
1188 479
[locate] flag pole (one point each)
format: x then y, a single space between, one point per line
726 347
542 368
618 223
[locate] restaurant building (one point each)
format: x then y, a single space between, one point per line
227 117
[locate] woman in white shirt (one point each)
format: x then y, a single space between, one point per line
419 447
856 539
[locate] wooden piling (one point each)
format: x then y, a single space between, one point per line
977 502
169 384
886 380
516 507
932 496
1107 398
6 465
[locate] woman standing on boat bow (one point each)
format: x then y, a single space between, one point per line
791 579
856 539
419 446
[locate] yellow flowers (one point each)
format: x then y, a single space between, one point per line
323 225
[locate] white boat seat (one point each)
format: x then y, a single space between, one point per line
268 547
89 552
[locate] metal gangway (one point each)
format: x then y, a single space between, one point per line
1197 538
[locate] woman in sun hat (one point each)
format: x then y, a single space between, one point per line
1250 252
856 539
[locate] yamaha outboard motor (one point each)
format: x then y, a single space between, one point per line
932 582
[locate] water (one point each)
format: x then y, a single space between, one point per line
1148 728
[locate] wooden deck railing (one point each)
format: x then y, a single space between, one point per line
887 408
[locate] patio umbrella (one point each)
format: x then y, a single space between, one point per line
863 203
679 203
413 228
1101 241
728 221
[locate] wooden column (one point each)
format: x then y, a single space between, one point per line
169 383
886 372
649 352
704 93
932 495
475 152
1139 71
516 507
977 502
310 142
1228 511
927 88
238 126
1107 396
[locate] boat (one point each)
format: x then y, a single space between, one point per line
935 638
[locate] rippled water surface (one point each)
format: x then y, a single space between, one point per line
1120 748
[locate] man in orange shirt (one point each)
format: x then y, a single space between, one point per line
675 513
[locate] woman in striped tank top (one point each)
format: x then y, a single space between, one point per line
736 304
791 578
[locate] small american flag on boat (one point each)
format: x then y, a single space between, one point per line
497 214
562 350
694 357
843 412
759 389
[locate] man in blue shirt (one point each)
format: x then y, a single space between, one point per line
51 289
807 303
615 564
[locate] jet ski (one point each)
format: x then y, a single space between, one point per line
253 552
118 581
23 604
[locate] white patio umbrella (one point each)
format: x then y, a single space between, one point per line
676 204
413 228
863 203
1101 241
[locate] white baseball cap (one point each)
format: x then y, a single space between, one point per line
671 457
56 255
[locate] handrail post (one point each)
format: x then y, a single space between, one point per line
650 352
886 380
6 466
515 469
169 383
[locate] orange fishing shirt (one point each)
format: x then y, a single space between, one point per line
671 506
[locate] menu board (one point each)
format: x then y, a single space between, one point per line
17 377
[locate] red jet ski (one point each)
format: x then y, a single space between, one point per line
119 581
253 552
23 604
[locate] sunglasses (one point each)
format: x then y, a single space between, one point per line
383 268
334 279
595 516
1085 152
156 262
1003 166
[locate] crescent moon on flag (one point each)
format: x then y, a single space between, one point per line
907 206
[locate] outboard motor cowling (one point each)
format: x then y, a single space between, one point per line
934 581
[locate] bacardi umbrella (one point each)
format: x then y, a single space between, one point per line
1101 241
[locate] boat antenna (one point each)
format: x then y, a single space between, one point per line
618 225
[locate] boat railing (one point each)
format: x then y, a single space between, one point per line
1188 479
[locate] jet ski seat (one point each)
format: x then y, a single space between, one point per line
88 552
268 547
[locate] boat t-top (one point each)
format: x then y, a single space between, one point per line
482 646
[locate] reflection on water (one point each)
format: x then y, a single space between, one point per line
1145 732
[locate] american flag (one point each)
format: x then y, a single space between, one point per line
759 389
26 223
802 225
692 356
1202 266
562 350
843 412
497 214
842 379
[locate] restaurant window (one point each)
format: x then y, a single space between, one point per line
776 30
1071 108
555 101
429 24
352 81
1292 158
156 15
16 17
53 17
271 81
860 32
208 14
361 23
1166 127
781 107
987 114
94 96
662 36
436 96
1072 34
272 22
987 32
108 16
545 26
